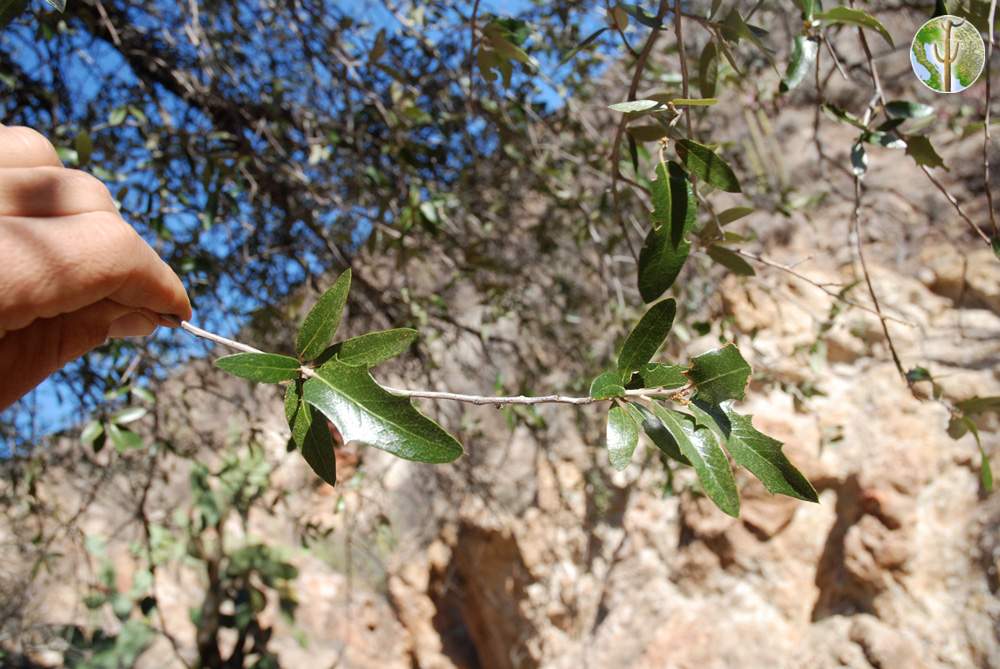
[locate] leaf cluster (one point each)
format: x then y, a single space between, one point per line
329 381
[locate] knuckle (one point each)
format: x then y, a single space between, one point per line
89 187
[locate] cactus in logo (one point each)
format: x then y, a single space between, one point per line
951 51
947 54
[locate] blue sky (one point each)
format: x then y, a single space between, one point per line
95 66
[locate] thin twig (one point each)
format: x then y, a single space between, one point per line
679 31
218 339
498 400
986 126
616 148
472 44
954 203
812 282
877 98
521 399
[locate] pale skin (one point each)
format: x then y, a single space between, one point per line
73 273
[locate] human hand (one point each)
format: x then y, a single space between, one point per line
72 271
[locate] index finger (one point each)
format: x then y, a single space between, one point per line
55 266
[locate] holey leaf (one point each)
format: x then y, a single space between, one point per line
323 319
311 434
260 367
762 455
720 375
666 249
702 162
366 412
622 436
647 336
699 445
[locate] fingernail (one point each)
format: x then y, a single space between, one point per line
134 324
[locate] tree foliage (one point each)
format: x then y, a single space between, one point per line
262 147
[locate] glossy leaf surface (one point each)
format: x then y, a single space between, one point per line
622 437
699 445
763 456
704 163
372 348
855 17
666 248
364 411
323 319
260 367
720 375
311 434
647 336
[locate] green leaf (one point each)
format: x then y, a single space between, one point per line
312 436
364 411
660 375
582 45
855 17
918 374
807 7
647 336
128 415
920 149
84 147
903 109
648 20
985 471
694 102
730 260
607 385
699 445
373 348
660 188
123 439
977 405
763 457
804 50
632 106
622 437
10 9
647 133
859 160
117 116
91 431
323 319
995 245
706 165
720 375
957 427
660 437
708 70
666 249
734 214
841 115
260 367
